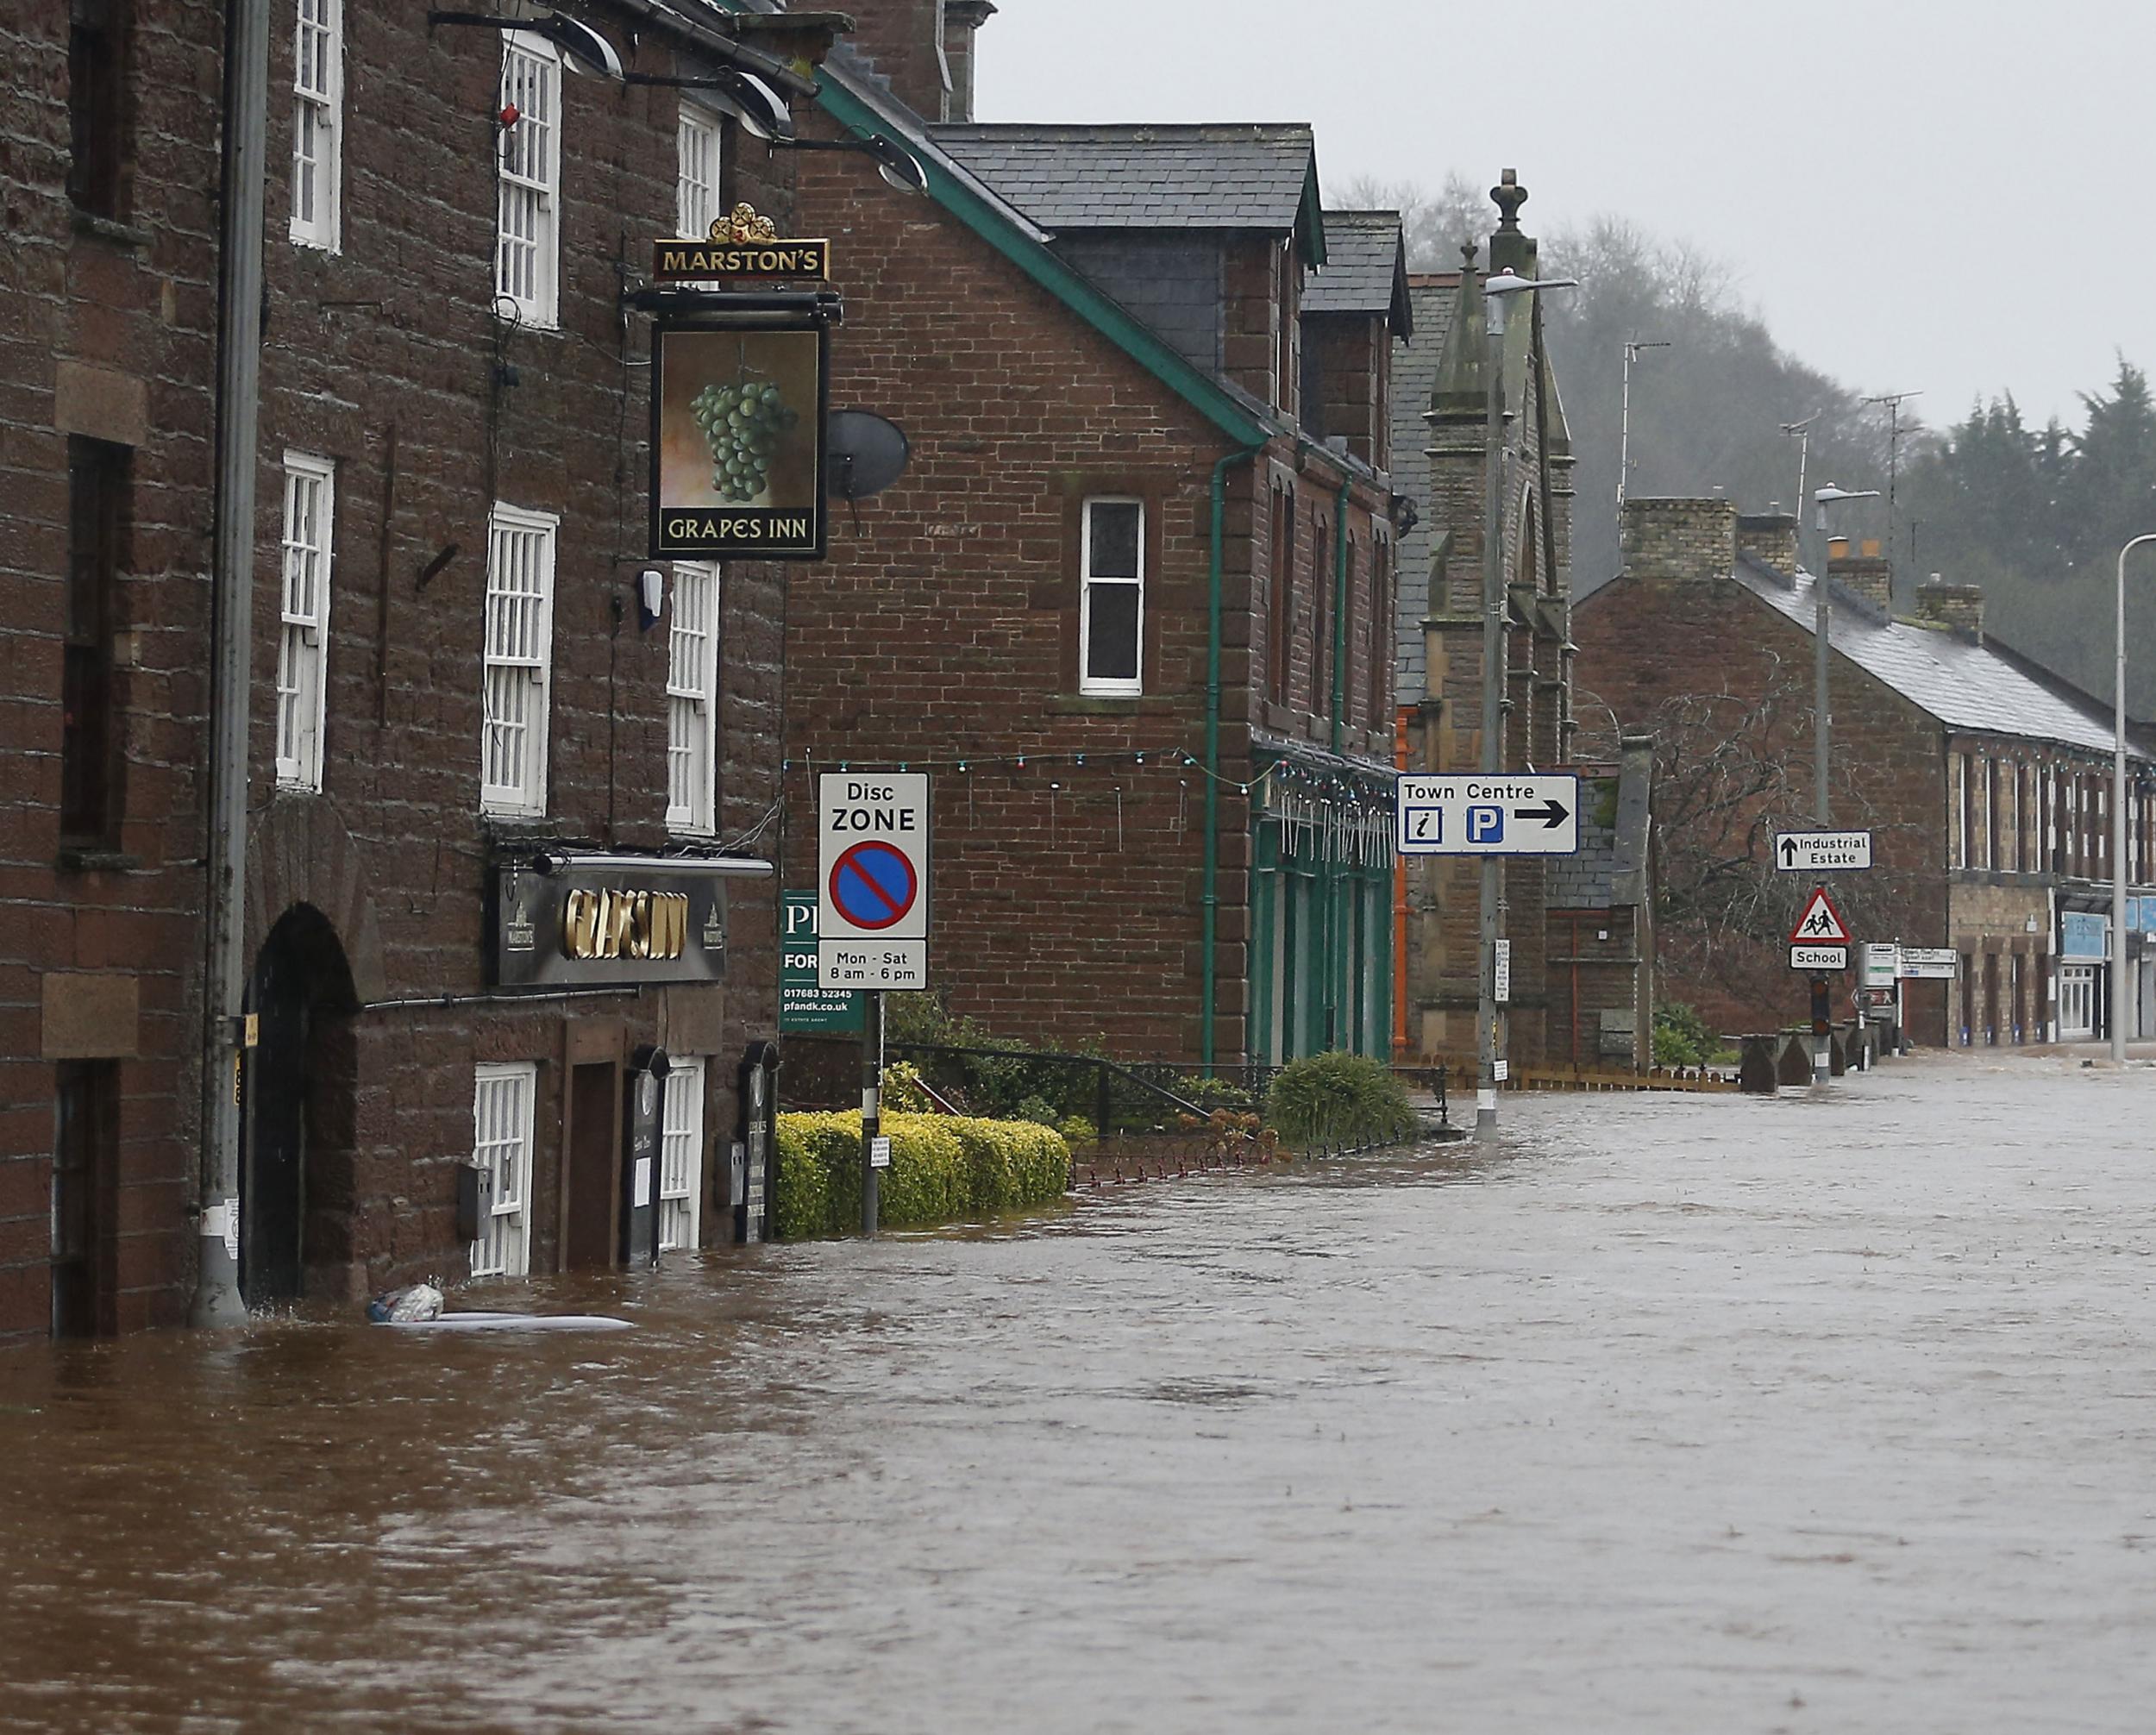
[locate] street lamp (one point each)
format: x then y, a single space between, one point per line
2118 818
1632 346
1497 290
1822 720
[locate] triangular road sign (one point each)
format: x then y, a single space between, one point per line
1820 924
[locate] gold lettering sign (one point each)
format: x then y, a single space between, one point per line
742 246
624 925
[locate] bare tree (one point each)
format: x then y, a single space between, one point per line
1435 225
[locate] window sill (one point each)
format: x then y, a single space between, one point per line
110 229
81 860
1095 703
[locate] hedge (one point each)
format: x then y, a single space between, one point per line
1339 1100
943 1167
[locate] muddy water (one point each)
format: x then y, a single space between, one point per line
1668 1414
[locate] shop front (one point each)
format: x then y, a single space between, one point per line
2083 948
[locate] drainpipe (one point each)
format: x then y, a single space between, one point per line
1212 900
217 1300
1336 926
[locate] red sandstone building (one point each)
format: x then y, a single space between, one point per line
460 713
1131 603
1985 780
1580 929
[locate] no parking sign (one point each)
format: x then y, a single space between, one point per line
872 880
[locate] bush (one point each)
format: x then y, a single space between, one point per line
1680 1036
905 1091
943 1167
1339 1098
1077 1130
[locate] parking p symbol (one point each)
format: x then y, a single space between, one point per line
1486 825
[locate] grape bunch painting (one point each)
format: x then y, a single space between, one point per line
742 422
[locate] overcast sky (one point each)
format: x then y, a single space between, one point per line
1903 187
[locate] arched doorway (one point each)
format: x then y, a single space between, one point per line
297 1171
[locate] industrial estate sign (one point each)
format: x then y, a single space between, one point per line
872 880
614 924
737 416
742 247
1820 942
805 1004
1534 814
1821 852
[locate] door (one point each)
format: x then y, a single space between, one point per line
591 1174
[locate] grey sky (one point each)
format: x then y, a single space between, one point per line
1900 186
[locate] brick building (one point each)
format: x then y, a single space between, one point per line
1127 603
464 726
1578 1002
1985 780
108 319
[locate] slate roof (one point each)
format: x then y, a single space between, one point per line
1584 880
1966 685
1365 270
1210 177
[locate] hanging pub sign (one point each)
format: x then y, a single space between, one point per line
743 247
737 414
738 395
587 918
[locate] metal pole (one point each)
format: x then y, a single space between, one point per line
2118 816
1632 346
1822 718
871 1102
1492 754
217 1300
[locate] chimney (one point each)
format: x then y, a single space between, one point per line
1680 541
963 20
1867 574
1960 606
1770 537
924 49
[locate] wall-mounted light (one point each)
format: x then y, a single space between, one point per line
586 50
650 597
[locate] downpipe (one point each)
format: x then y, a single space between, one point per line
1210 907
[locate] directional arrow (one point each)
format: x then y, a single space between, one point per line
1788 851
1552 813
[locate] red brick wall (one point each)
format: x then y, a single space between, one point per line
946 626
106 330
1644 641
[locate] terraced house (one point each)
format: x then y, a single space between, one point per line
1129 603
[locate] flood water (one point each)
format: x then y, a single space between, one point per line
1667 1414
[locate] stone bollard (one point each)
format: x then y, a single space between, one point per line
1756 1069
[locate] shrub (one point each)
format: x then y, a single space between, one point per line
1077 1130
1038 1110
1339 1098
942 1167
905 1091
1680 1036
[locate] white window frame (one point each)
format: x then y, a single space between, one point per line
681 1157
528 176
692 699
698 198
317 183
504 1100
1088 684
302 639
516 660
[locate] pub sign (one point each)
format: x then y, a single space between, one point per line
579 926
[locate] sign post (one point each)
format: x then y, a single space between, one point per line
1819 946
1488 815
872 885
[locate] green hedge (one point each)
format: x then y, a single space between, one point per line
1339 1100
943 1167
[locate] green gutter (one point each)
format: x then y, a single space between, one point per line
1195 388
1335 918
1339 612
1211 905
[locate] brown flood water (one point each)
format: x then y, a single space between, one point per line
1668 1414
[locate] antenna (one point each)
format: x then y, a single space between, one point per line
1804 432
1632 346
1893 400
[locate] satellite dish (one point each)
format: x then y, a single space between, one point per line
864 453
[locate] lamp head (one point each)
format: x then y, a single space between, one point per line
585 49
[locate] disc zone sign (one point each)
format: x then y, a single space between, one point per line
873 879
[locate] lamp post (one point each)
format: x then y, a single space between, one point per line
1632 346
2118 818
1823 720
1822 725
1497 290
